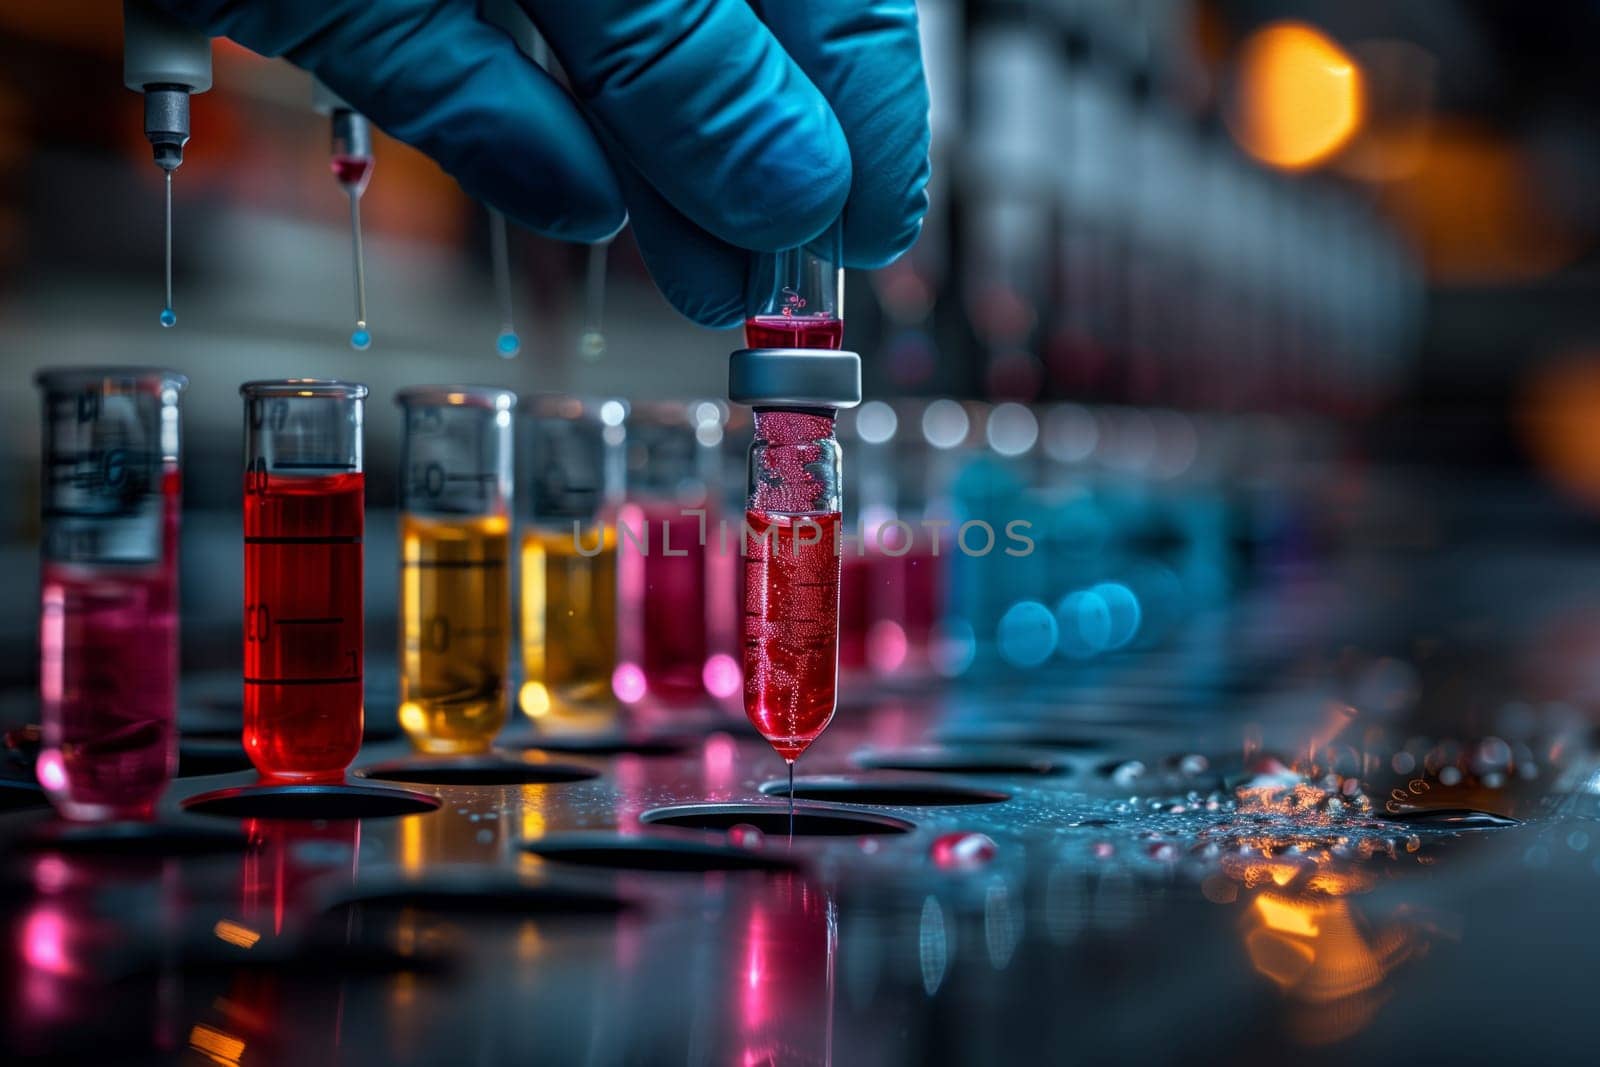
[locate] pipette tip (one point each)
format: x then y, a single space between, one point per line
169 318
361 338
508 344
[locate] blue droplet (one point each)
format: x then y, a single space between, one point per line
169 317
361 340
508 343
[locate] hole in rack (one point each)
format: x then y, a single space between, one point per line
1066 740
136 839
18 795
905 794
654 854
474 892
311 802
478 770
611 745
972 759
810 820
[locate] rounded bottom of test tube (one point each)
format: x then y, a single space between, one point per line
361 338
169 318
508 343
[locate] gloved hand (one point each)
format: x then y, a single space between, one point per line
717 125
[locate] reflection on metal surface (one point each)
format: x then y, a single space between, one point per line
932 948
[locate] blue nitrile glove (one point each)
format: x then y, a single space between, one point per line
726 124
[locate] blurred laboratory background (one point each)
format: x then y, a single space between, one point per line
1209 290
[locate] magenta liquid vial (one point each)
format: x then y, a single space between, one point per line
108 621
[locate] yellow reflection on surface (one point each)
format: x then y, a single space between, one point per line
215 1045
235 934
411 851
1300 97
1290 917
532 812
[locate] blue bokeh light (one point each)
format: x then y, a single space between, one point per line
1027 634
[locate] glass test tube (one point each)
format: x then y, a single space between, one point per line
569 562
795 298
663 533
455 590
304 519
108 628
792 569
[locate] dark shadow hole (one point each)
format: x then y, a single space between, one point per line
773 820
478 771
976 759
136 839
311 802
889 794
487 896
17 795
645 854
612 745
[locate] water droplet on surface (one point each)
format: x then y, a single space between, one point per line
744 835
361 339
169 318
1193 764
962 851
508 344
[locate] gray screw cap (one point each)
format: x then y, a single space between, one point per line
794 377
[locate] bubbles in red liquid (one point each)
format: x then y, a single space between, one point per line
794 331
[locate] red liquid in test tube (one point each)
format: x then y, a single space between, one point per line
303 622
791 627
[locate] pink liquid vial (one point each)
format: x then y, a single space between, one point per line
108 626
664 574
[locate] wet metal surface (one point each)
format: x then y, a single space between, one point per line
1311 866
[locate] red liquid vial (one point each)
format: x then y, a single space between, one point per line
108 679
303 622
794 331
791 627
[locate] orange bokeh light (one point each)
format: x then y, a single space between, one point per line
1298 98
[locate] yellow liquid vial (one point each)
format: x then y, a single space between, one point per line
569 628
455 622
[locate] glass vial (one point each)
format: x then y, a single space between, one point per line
108 624
455 544
795 298
569 562
304 519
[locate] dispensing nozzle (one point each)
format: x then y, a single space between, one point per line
351 163
166 61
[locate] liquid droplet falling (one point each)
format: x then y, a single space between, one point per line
361 338
507 344
169 318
